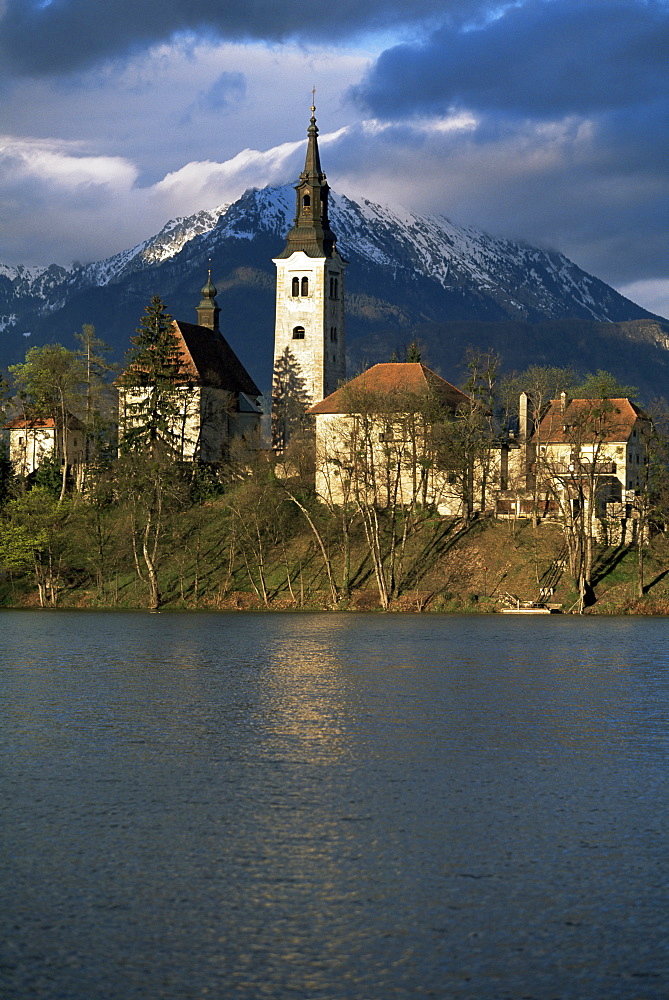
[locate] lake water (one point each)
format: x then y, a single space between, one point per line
330 806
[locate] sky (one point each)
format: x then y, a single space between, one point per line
540 120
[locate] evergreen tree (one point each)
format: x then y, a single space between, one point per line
290 401
152 405
413 353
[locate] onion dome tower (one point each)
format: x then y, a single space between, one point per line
208 310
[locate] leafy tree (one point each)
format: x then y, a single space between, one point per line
48 476
151 411
49 385
603 385
32 536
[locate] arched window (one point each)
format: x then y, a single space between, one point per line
305 286
334 288
298 333
296 287
333 334
306 202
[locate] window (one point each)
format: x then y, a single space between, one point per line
334 288
305 286
333 334
296 287
298 333
306 202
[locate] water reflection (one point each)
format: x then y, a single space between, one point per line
331 807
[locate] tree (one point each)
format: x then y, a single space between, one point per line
92 353
540 384
49 385
378 459
153 403
651 503
152 490
603 385
290 401
468 441
577 468
32 536
413 353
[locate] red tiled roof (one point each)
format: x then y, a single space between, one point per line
613 418
31 424
43 422
392 378
209 359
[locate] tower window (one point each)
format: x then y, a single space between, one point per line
305 286
296 287
334 288
298 333
333 334
306 201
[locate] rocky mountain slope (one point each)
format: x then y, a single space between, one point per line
409 275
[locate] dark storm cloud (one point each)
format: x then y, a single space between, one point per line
544 59
56 36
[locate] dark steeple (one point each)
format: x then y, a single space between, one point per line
208 310
311 229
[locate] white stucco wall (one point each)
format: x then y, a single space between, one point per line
321 359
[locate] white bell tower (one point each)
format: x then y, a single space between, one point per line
309 338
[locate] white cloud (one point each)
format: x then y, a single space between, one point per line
205 184
62 165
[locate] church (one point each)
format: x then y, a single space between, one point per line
218 400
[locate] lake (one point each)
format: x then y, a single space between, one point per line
330 806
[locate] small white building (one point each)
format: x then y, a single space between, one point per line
33 441
376 440
587 451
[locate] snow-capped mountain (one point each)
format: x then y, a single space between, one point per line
408 273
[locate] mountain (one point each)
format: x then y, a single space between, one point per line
409 276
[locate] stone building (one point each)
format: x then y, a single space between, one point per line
309 340
218 399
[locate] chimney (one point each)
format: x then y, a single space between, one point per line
524 422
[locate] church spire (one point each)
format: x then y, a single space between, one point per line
311 231
208 310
